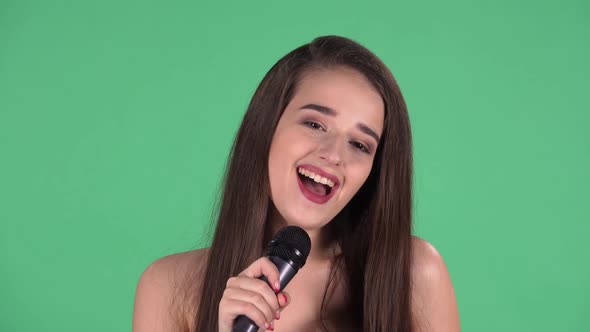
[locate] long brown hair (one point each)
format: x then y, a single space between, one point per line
373 230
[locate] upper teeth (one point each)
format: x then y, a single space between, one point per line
316 177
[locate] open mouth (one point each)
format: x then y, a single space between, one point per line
315 187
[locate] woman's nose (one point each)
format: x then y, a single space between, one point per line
331 150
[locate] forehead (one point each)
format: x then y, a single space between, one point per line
345 90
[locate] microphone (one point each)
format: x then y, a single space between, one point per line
288 250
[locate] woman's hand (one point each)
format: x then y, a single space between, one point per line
247 295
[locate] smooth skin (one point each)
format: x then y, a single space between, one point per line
433 296
334 142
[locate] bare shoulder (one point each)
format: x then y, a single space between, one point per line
433 299
157 306
172 268
427 262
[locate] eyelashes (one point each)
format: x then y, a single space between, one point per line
314 125
360 146
356 144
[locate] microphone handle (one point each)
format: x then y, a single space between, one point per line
286 273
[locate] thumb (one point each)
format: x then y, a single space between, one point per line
284 299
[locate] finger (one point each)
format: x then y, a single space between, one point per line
257 286
234 308
254 298
283 298
264 267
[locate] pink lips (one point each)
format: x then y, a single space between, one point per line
319 199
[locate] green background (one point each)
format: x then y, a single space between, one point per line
116 118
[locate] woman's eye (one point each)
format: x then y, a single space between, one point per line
360 146
313 125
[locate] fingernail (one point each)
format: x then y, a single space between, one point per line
272 327
266 325
277 286
285 297
278 314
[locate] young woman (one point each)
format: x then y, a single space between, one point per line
324 145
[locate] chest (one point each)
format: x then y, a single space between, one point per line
308 290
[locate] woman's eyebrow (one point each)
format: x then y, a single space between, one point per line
365 129
331 112
322 109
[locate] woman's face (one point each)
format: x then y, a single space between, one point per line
329 131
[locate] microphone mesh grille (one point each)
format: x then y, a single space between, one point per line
290 243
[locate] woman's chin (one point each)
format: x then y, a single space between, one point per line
308 222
